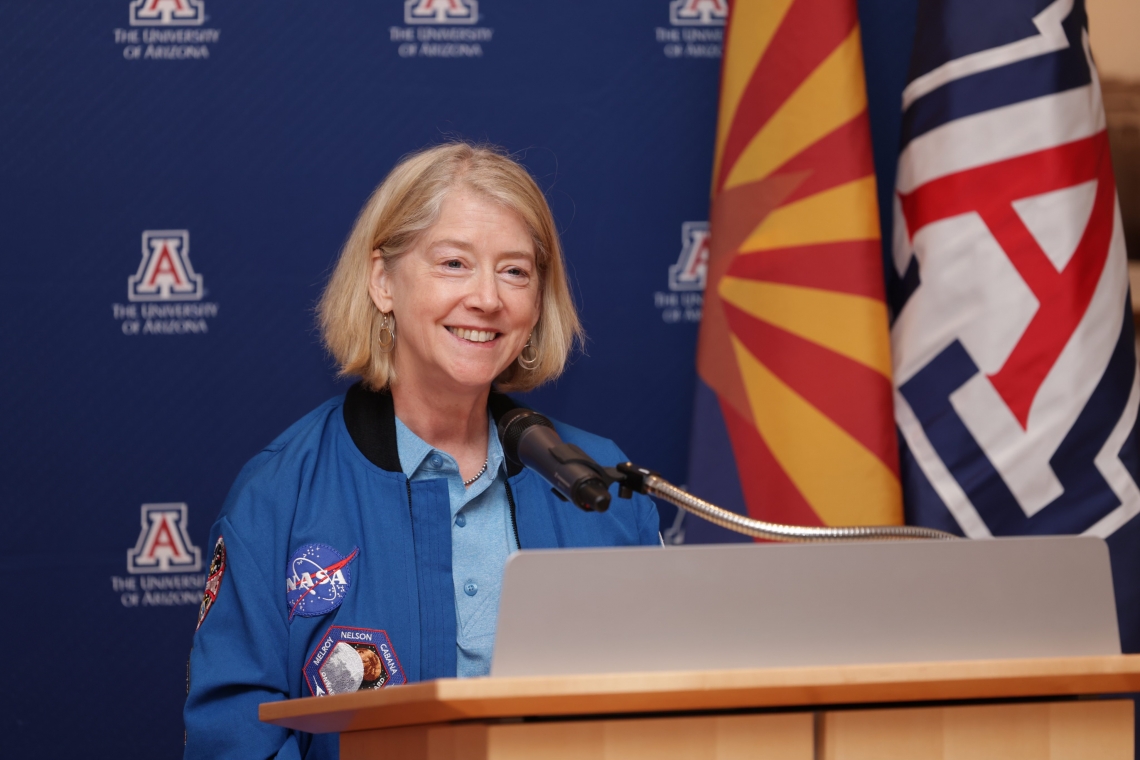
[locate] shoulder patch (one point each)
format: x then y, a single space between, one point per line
317 580
213 583
352 659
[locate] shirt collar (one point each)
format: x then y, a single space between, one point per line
414 450
369 417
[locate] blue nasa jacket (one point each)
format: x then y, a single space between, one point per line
324 550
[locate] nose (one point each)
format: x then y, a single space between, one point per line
484 294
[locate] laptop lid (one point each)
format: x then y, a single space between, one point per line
780 605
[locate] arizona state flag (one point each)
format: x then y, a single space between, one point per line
794 421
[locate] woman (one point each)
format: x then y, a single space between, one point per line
391 510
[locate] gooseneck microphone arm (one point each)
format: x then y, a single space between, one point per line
529 440
634 478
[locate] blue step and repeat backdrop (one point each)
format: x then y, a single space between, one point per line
233 143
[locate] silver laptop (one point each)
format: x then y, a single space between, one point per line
780 605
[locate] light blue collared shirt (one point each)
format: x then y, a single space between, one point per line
482 538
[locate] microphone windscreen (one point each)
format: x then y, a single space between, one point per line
513 424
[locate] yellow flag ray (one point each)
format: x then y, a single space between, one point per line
845 212
842 481
754 23
831 96
845 323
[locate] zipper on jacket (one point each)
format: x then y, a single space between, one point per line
408 483
514 521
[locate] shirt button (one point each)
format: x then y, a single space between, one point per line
436 461
471 589
460 521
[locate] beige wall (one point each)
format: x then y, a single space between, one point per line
1114 30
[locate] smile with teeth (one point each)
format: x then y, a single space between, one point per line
475 336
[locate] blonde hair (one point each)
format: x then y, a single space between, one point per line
406 204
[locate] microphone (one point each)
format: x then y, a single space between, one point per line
530 440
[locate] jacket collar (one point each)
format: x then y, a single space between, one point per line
371 421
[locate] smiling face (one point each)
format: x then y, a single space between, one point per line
465 296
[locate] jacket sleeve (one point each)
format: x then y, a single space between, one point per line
238 660
648 521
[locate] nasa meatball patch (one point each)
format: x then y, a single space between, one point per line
352 659
317 580
213 581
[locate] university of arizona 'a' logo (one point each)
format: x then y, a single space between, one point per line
164 546
441 11
165 273
692 265
167 12
698 12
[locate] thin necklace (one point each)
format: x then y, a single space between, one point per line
477 475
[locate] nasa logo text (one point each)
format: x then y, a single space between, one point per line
317 579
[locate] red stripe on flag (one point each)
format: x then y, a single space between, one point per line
849 267
842 156
1064 296
854 397
811 29
768 491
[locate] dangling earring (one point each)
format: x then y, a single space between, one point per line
528 358
387 337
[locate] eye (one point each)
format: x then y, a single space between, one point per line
454 264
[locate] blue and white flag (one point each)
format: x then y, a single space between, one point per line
1015 371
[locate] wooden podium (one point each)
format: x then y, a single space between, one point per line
1040 709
